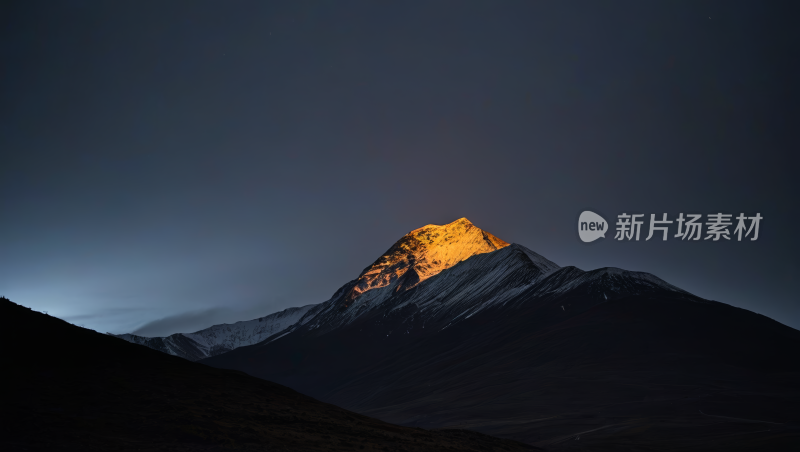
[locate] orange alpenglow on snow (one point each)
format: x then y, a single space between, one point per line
423 253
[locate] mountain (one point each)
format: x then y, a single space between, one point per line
67 388
508 343
222 338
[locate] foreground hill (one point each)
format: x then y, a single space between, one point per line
69 388
508 343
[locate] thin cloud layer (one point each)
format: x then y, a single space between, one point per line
187 322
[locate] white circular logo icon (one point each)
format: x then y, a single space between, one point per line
591 226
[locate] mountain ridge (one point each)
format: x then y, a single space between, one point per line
221 338
508 343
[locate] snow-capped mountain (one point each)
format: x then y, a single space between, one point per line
443 274
221 338
436 278
467 287
455 328
473 282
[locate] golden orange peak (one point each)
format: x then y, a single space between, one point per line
461 221
425 252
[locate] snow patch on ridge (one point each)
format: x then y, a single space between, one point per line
219 339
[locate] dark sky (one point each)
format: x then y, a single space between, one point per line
165 166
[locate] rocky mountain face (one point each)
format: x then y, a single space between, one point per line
219 339
423 253
454 328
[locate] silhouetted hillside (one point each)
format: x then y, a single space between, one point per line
69 388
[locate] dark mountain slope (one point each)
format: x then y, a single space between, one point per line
628 364
68 388
616 358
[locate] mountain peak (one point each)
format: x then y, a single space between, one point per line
424 252
461 222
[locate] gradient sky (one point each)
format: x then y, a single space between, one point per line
165 166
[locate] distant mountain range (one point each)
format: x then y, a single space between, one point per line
219 339
455 328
